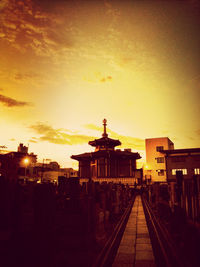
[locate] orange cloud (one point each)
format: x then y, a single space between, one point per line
98 77
10 102
30 25
93 127
32 141
58 136
127 141
105 79
3 4
26 76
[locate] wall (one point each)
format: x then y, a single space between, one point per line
155 169
182 161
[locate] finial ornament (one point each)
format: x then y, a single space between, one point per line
104 125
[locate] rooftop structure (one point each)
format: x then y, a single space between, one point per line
106 161
104 143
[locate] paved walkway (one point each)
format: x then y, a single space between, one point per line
135 248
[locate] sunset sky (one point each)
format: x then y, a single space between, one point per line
66 65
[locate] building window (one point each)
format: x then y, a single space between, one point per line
160 160
159 148
184 171
178 159
161 172
196 171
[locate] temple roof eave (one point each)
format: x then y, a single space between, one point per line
84 156
106 153
105 141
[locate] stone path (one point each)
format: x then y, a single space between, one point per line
135 249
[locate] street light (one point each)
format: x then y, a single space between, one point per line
26 162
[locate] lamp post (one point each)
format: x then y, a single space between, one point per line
26 162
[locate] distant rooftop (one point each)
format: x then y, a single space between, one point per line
183 150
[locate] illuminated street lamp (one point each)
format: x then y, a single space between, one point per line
26 162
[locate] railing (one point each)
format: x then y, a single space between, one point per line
108 252
166 253
124 180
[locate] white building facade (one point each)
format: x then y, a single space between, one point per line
155 168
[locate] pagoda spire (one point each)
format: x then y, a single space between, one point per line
104 125
104 143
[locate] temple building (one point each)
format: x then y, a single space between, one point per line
107 163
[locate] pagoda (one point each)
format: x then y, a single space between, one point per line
107 163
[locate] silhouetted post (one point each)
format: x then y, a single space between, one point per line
179 179
17 208
74 194
5 199
117 200
91 211
44 207
99 214
196 202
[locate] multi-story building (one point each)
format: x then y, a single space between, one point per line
16 165
186 161
179 169
155 169
183 177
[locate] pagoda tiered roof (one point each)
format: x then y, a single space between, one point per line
106 153
104 147
105 142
